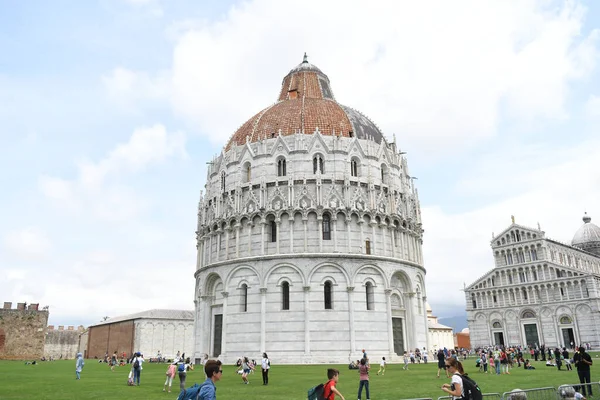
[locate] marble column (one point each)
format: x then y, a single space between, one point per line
263 319
388 305
224 328
306 320
291 221
350 290
424 300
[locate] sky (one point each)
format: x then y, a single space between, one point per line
110 109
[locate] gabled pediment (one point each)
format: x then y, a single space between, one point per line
355 148
280 146
481 279
317 143
246 151
520 232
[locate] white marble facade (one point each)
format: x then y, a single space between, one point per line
539 292
167 336
309 248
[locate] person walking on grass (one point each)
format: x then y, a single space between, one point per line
363 370
583 361
170 375
405 361
113 361
137 362
455 388
441 362
381 367
79 366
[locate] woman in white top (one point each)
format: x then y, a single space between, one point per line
265 366
455 388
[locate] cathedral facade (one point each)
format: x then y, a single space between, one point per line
540 291
309 236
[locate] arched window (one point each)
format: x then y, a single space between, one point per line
273 226
326 227
384 173
247 172
534 255
281 167
353 167
474 301
370 293
496 325
328 296
223 181
285 296
244 297
318 164
367 246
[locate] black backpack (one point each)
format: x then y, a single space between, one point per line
136 363
470 389
318 392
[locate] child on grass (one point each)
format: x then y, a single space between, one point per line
333 375
382 366
405 361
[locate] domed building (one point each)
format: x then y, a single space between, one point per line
587 237
309 236
540 291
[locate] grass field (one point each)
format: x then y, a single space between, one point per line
56 380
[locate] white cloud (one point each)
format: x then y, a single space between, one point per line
592 106
425 71
28 244
152 7
130 89
91 192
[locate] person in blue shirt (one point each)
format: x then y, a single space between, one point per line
214 372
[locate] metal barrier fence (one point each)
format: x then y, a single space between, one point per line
546 393
488 395
586 389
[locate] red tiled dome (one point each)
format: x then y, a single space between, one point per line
305 103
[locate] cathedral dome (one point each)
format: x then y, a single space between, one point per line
305 103
587 236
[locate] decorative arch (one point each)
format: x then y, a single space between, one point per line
210 284
496 325
528 313
401 280
329 264
238 268
565 320
275 267
381 273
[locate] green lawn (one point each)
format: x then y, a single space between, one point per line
56 380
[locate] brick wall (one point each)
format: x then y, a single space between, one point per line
62 342
22 332
110 337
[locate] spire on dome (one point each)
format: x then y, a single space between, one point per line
586 218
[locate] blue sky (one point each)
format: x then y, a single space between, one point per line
110 109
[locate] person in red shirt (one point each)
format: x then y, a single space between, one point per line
330 391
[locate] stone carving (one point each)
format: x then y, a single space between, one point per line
277 205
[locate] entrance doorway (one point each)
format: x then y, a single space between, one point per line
531 334
568 337
499 338
398 336
217 332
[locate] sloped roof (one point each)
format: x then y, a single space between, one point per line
438 326
151 314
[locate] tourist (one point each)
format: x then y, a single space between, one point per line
182 368
405 361
214 372
363 370
246 368
527 365
484 362
265 365
441 364
113 361
170 375
79 365
333 375
381 367
137 362
583 361
455 388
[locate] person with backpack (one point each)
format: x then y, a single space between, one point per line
207 390
137 367
265 366
329 390
461 386
182 368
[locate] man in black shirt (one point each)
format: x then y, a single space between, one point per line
582 362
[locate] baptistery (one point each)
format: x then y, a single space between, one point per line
309 236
